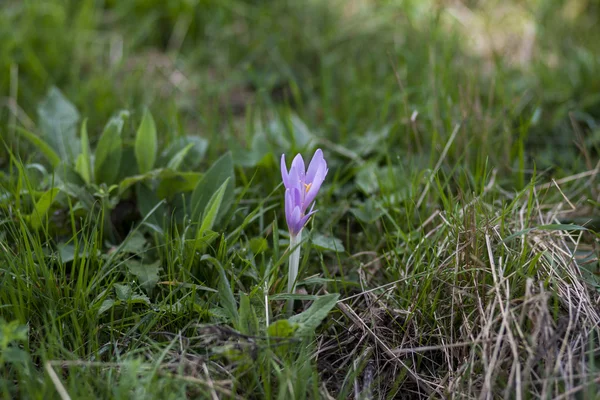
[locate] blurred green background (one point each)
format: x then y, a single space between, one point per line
199 65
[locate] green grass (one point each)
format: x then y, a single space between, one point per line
455 250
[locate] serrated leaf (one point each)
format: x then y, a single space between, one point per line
310 319
58 119
41 208
146 143
147 274
220 172
109 150
327 243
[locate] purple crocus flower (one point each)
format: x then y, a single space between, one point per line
301 188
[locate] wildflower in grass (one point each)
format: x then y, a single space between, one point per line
301 188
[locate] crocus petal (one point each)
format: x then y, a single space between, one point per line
291 216
293 210
289 206
294 178
316 162
284 172
315 186
305 219
296 197
298 162
297 222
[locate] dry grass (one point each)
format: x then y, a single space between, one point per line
510 318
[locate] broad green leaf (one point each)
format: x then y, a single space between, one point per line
67 252
370 141
369 211
171 182
248 322
192 157
310 319
128 166
132 180
201 242
52 157
188 286
366 178
140 298
135 243
42 206
14 354
67 174
123 292
258 245
177 182
58 121
327 243
109 150
295 296
295 132
147 274
226 299
84 160
85 199
212 208
147 201
259 150
220 171
106 305
12 331
282 328
303 138
146 144
175 162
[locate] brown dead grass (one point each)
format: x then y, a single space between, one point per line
512 319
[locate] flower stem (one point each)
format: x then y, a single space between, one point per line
293 267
